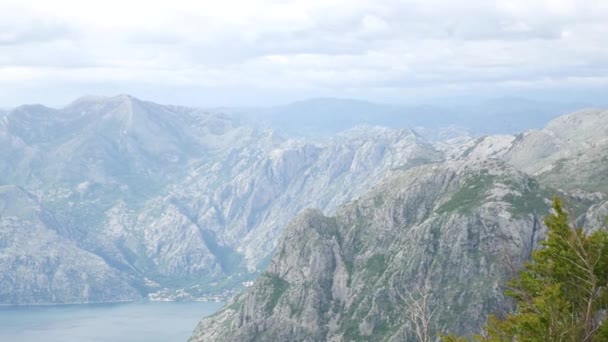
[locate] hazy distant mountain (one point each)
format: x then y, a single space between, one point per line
323 116
326 116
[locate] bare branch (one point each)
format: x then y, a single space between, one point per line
419 312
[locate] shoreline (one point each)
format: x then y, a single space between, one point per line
76 303
109 302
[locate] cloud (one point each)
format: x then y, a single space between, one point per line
310 47
17 30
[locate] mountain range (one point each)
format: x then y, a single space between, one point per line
116 199
328 116
453 231
169 197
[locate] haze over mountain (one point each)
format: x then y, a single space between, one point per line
327 116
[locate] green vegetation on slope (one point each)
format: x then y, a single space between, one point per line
470 195
278 286
531 200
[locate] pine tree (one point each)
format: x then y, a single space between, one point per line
562 293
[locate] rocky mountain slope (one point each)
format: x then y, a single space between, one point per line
175 196
340 278
263 194
36 261
457 228
569 153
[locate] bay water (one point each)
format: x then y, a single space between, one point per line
116 322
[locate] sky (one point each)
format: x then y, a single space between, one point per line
264 52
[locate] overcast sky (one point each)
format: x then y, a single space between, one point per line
251 52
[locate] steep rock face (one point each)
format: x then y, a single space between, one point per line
597 215
227 213
456 227
263 194
38 265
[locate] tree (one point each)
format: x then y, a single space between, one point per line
562 293
420 313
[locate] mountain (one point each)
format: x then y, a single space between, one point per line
447 225
106 140
135 199
327 116
99 158
322 116
265 193
37 264
455 230
569 153
177 197
225 217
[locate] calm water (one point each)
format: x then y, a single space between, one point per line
129 322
